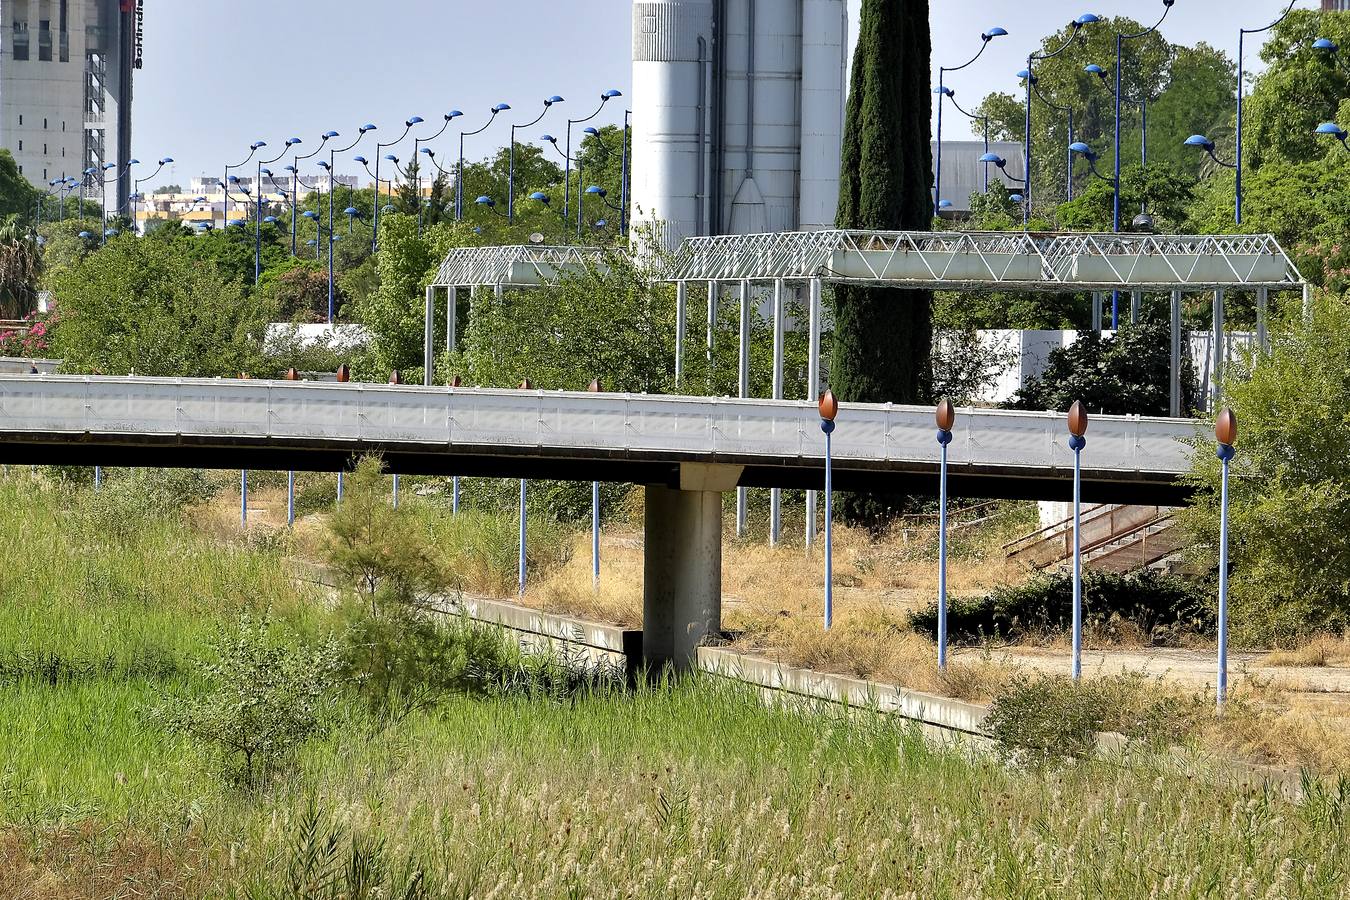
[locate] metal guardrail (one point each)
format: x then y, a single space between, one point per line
527 265
580 425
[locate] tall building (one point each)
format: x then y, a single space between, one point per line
65 88
1335 5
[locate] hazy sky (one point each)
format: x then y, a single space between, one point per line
219 75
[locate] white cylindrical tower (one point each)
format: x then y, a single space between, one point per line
672 59
824 37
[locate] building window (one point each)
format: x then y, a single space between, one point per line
44 149
20 146
21 40
44 123
45 40
20 119
44 174
65 33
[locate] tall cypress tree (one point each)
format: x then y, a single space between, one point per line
883 336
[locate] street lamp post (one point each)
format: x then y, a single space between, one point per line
1242 38
1200 142
459 169
258 216
943 93
252 150
135 193
1068 111
1078 422
407 126
829 408
294 169
1225 430
946 418
1075 27
623 174
511 156
567 154
1143 100
332 184
417 148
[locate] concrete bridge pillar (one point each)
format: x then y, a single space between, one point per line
682 564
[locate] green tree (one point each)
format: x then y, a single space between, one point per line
17 196
1300 88
148 306
1166 193
1289 511
20 268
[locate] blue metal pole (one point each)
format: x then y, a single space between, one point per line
375 233
595 534
454 495
1237 209
395 492
623 179
339 488
243 498
290 499
522 537
828 427
1068 189
1225 454
567 175
937 168
944 438
98 478
1077 443
1026 194
1115 203
511 179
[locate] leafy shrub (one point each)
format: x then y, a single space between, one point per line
1162 608
1128 373
1043 718
262 699
129 498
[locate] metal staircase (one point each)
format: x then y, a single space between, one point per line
1116 538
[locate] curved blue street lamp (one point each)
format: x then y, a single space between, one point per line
257 216
605 97
511 166
943 93
294 169
332 184
1334 130
1002 165
1083 150
253 148
1242 38
407 126
459 169
1201 142
135 210
1076 26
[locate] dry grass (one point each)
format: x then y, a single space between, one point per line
1322 650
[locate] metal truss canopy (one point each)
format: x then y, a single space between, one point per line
528 265
992 260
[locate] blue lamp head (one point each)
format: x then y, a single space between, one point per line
387 208
548 137
325 166
199 200
596 189
351 211
600 223
428 151
552 100
540 196
237 222
610 95
391 157
110 232
107 166
1083 150
1332 129
362 160
85 234
415 120
1325 44
994 158
453 114
944 91
589 130
90 171
132 162
500 107
269 219
366 127
257 144
1094 69
311 242
292 141
265 171
1016 198
328 135
309 214
1086 19
233 179
1199 140
993 33
291 169
944 204
1027 74
486 201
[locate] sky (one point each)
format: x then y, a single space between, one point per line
219 75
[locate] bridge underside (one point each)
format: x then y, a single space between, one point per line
500 461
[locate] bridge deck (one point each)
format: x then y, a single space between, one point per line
583 436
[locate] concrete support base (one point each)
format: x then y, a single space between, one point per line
682 569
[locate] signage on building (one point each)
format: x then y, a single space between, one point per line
138 60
